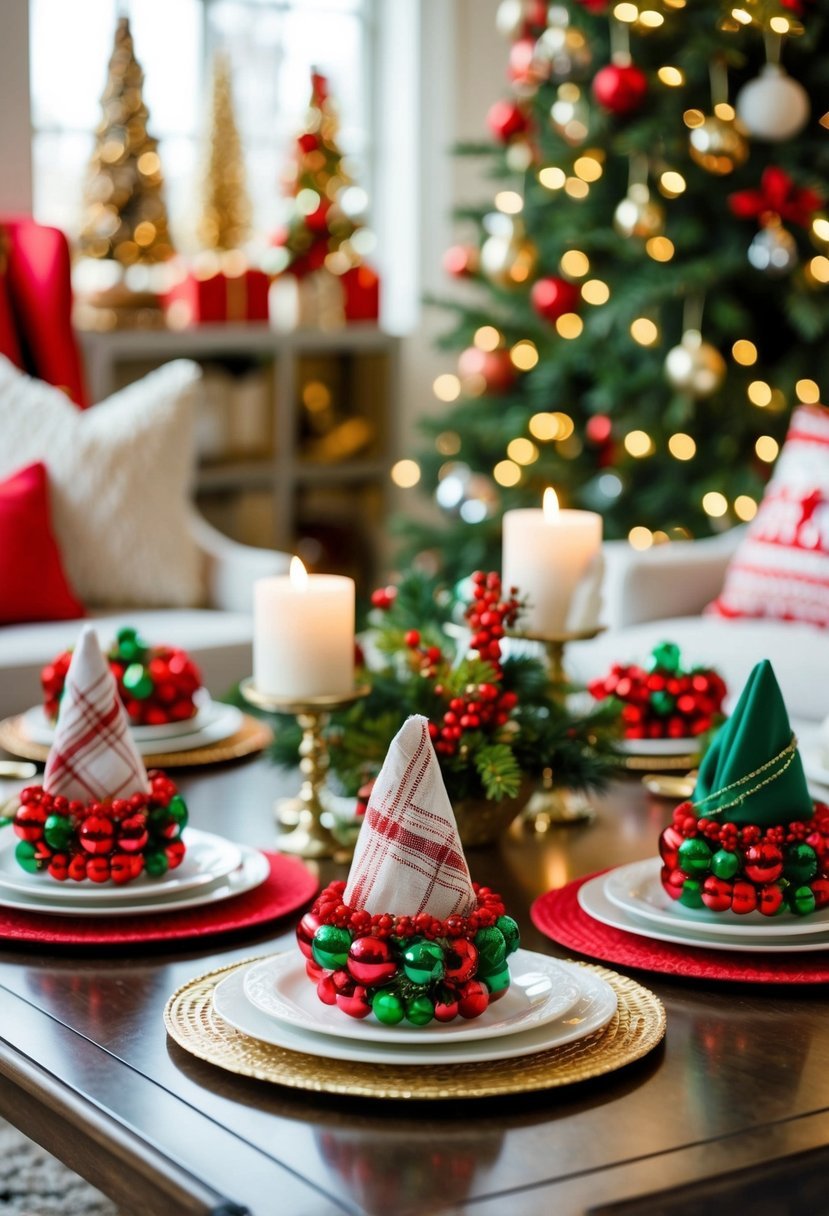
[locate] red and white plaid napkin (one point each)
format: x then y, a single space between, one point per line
409 858
93 755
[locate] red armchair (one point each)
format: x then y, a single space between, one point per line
36 305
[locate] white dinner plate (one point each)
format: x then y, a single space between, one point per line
659 747
636 888
215 721
540 991
594 901
252 871
207 859
593 1009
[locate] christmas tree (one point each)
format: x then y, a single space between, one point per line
225 218
651 274
126 218
324 218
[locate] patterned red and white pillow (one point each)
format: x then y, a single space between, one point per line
781 568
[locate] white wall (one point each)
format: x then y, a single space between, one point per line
462 71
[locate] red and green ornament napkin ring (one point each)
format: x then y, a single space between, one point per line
416 968
157 684
730 867
102 840
664 701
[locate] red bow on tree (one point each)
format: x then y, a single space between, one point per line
778 195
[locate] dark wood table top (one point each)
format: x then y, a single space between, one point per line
87 1070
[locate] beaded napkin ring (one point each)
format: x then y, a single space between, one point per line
109 839
418 968
725 866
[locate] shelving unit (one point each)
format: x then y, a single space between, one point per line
308 467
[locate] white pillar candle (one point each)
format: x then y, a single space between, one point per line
547 553
303 634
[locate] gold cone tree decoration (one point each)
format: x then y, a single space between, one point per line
126 217
226 210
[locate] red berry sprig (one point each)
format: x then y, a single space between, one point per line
482 706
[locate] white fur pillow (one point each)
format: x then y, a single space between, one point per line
119 482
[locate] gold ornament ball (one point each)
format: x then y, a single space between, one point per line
719 145
695 367
638 215
508 261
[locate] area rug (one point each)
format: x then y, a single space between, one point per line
32 1183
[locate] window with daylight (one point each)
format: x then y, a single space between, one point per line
272 45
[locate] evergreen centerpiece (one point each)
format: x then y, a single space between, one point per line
645 289
494 721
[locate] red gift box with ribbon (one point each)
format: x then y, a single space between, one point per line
220 297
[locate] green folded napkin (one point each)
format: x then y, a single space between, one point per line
753 745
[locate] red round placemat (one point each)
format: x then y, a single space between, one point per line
287 888
559 917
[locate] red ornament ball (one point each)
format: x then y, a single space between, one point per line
505 120
370 960
461 961
620 88
461 261
553 297
473 998
594 6
485 371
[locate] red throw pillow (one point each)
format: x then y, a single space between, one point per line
781 568
33 586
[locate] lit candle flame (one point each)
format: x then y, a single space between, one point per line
550 504
298 575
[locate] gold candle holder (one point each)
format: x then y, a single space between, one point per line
311 838
552 806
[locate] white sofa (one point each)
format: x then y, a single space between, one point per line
218 636
659 595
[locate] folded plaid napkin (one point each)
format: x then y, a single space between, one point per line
93 755
409 858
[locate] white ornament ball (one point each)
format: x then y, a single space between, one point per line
774 251
774 106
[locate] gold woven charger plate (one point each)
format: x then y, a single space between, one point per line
635 1029
253 737
664 764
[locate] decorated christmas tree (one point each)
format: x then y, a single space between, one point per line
323 216
126 218
651 272
226 211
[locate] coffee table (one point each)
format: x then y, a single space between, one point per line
87 1070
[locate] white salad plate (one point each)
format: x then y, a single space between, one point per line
658 747
213 722
637 890
251 872
207 859
594 901
541 990
594 1006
